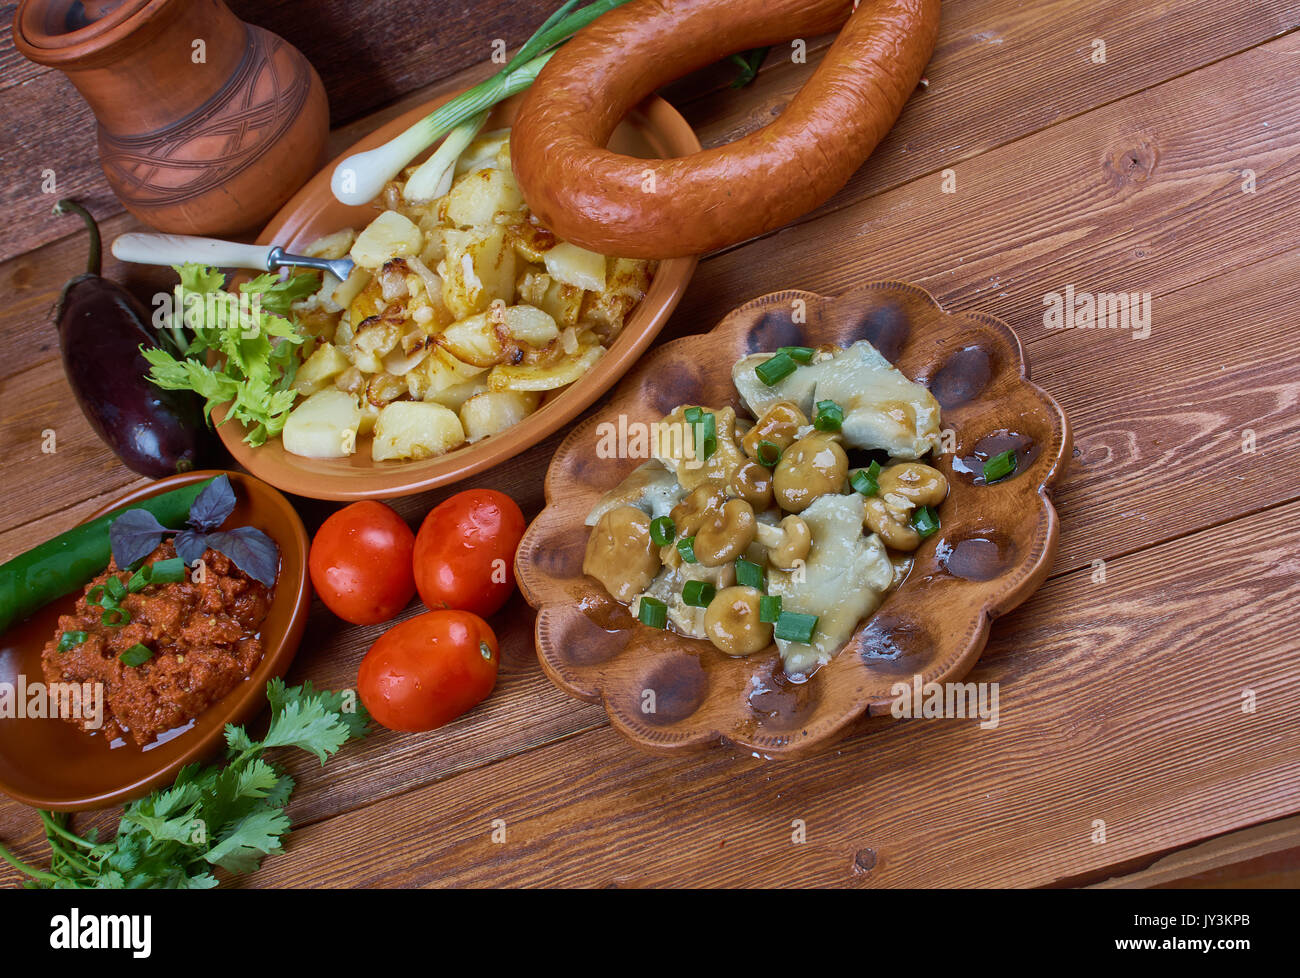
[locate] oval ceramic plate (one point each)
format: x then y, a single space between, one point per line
995 546
50 764
653 129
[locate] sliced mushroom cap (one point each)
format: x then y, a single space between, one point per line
620 553
919 484
753 483
732 621
726 535
779 424
811 467
892 523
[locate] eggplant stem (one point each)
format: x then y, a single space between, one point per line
94 265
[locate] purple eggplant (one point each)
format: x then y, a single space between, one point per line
101 330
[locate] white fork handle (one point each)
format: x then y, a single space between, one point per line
178 249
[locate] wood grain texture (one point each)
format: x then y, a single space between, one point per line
1144 194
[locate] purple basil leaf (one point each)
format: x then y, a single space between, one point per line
134 535
190 546
213 505
251 550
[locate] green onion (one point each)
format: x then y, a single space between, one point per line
116 589
136 655
794 627
686 547
698 594
926 521
1000 466
115 617
167 571
749 574
653 612
864 480
829 417
803 354
140 579
96 594
361 177
706 433
693 415
775 369
769 453
769 608
663 531
70 640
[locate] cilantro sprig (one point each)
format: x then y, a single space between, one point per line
219 816
254 339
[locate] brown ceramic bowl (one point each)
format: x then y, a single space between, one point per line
995 546
50 764
653 129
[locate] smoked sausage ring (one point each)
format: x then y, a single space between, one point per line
632 208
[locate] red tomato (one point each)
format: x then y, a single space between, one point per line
361 563
428 670
465 552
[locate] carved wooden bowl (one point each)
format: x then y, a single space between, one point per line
995 546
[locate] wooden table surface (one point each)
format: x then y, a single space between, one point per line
1170 168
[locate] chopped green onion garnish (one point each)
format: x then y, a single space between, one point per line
803 354
140 579
693 415
706 435
749 574
96 594
653 612
698 594
136 655
686 547
769 453
775 369
663 531
864 480
794 627
769 608
115 617
1000 466
926 521
115 588
70 640
829 417
167 571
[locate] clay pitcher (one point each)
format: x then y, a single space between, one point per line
207 125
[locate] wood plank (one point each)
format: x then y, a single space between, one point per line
1004 70
1138 195
1153 742
1260 857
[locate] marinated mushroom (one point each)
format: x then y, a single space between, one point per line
753 483
700 504
620 553
726 535
811 467
786 544
779 424
919 484
892 523
732 621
